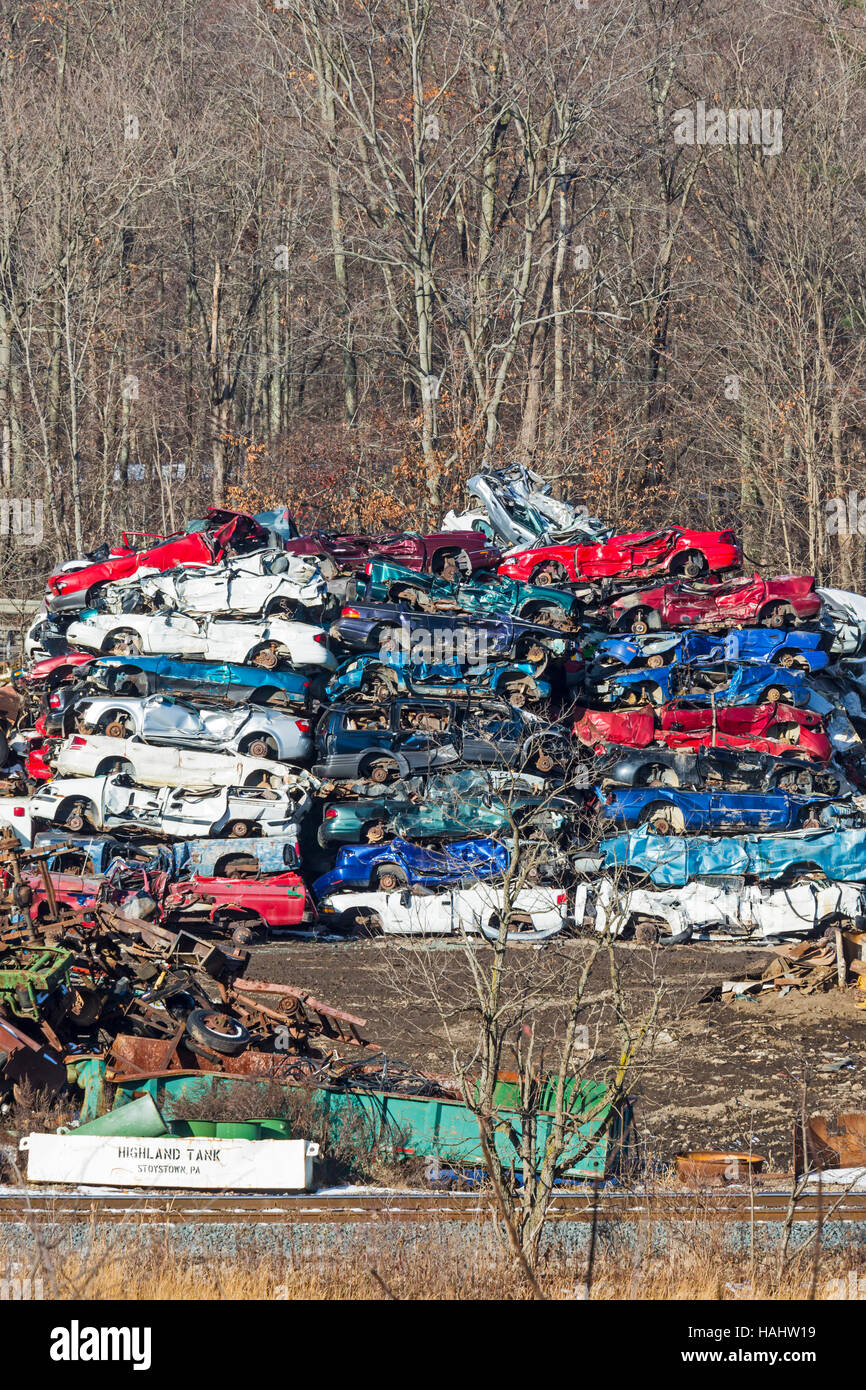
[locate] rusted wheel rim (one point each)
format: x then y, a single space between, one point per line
220 1023
266 659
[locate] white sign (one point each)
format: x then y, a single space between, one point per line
222 1164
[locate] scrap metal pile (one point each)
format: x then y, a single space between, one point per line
86 971
521 723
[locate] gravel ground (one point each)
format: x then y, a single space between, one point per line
717 1074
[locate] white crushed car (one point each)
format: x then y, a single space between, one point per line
843 615
96 755
265 644
265 583
255 731
104 803
536 913
15 815
674 915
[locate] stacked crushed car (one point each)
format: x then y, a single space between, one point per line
521 723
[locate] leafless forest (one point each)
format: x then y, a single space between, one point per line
343 253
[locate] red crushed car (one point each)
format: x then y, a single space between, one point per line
769 728
688 554
40 748
245 906
78 892
751 601
54 670
224 531
441 552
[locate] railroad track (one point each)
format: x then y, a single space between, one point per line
171 1209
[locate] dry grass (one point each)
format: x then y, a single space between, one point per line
37 1110
440 1266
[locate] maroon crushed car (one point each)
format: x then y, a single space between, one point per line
54 670
441 552
746 602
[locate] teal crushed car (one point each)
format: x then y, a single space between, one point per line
385 582
448 808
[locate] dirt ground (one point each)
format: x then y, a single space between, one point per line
717 1074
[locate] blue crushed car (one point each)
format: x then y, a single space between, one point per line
668 810
381 678
769 646
224 680
400 864
711 682
672 860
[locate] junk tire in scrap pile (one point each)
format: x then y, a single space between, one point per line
230 1038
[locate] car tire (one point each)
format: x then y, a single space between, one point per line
259 747
380 770
549 575
390 878
360 922
246 931
265 658
238 830
691 565
76 818
115 728
639 621
217 1031
660 819
781 615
